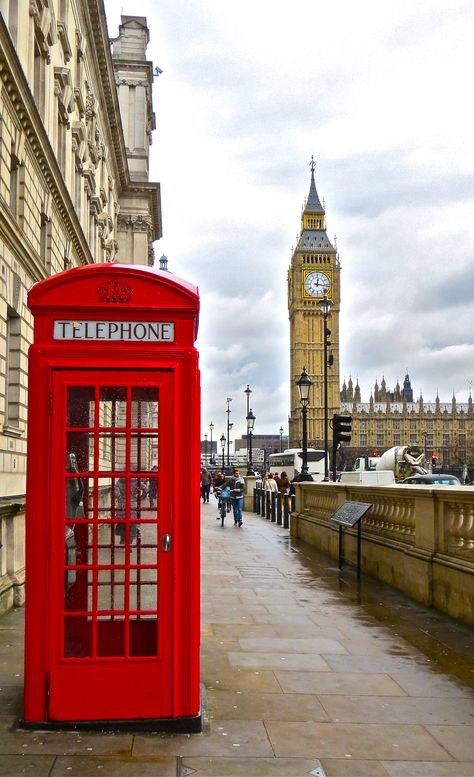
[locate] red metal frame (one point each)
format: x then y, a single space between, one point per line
102 686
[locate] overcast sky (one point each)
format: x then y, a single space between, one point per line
381 94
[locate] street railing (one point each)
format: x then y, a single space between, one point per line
273 506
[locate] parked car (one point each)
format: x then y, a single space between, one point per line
433 480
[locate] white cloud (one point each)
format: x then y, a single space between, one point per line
380 93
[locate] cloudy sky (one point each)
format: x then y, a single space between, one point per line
381 94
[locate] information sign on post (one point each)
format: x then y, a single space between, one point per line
347 516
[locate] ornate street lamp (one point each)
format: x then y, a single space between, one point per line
325 305
250 424
281 439
304 384
223 450
248 391
211 427
228 400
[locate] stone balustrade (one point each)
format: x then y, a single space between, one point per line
419 539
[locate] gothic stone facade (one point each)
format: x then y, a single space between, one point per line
442 429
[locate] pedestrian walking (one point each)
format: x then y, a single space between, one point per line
237 486
269 483
206 482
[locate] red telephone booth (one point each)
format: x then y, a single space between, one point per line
112 599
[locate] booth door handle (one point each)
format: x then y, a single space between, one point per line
166 542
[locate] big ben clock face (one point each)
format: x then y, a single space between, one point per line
316 284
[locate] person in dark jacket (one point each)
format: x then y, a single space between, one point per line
237 485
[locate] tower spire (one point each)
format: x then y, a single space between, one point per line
313 203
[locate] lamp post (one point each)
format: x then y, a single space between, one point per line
248 391
211 427
281 439
205 448
325 305
304 384
223 450
228 400
250 424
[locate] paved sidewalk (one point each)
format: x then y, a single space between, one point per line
304 674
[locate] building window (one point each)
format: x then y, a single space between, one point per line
429 440
380 441
413 426
12 387
396 439
39 78
413 440
429 426
462 425
14 184
396 427
445 440
363 441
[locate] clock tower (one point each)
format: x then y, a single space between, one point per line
314 272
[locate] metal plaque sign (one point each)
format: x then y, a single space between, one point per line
145 331
350 513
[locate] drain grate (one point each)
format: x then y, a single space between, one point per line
259 572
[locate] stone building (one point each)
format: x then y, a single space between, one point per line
76 117
442 429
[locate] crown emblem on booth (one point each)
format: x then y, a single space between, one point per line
113 291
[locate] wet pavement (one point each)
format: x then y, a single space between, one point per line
304 672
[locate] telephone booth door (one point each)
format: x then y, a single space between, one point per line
111 540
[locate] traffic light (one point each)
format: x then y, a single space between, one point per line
341 428
434 460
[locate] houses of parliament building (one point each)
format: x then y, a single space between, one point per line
442 429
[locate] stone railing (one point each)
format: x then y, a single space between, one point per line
12 554
418 539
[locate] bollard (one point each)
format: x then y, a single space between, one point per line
286 513
262 504
273 497
268 512
278 506
255 500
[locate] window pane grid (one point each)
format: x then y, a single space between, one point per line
113 585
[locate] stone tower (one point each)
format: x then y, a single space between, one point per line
314 272
139 220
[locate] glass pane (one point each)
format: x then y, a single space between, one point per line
143 635
112 406
78 597
110 635
78 637
131 497
80 452
144 452
153 493
143 589
112 452
78 544
144 408
111 589
112 537
80 406
145 551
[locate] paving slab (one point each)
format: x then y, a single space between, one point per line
305 672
